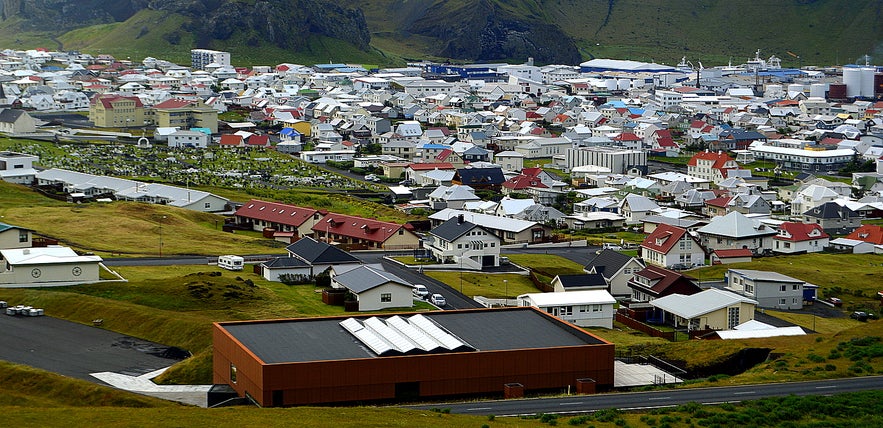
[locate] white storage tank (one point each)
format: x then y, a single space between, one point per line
867 89
795 87
773 91
817 90
623 84
610 84
852 78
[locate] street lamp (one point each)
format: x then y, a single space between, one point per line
160 234
506 283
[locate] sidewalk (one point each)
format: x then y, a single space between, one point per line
196 395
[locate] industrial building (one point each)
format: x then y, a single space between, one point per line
408 356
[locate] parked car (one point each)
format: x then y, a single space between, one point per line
835 301
611 246
438 300
681 266
420 291
859 315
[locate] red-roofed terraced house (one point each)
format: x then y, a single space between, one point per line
796 237
362 233
114 111
275 218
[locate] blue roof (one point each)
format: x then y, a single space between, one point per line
616 104
635 110
435 146
329 66
288 131
205 131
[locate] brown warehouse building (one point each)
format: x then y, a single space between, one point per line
407 356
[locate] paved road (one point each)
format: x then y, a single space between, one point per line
644 400
76 350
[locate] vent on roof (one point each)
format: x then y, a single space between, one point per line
251 206
262 208
400 336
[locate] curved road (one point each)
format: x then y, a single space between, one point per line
667 398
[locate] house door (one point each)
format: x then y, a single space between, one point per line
487 261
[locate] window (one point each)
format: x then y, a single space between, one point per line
208 204
22 236
386 297
783 287
232 373
596 308
781 301
795 287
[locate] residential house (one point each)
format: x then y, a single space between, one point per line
670 246
312 258
363 233
811 197
654 282
868 233
510 230
454 197
414 170
465 244
746 203
771 290
712 309
480 178
587 308
796 238
15 237
834 218
15 121
375 289
635 208
263 216
616 268
711 165
738 255
188 139
735 230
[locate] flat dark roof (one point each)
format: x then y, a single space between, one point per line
322 339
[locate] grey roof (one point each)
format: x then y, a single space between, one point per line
284 262
452 229
582 280
490 222
322 339
698 304
736 225
364 278
831 210
685 223
608 262
314 252
763 275
9 115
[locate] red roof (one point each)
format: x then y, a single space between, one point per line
357 227
697 124
258 140
274 212
733 253
668 281
829 141
230 140
430 166
523 182
720 158
719 202
174 103
532 172
627 136
868 233
662 133
666 142
663 238
108 100
282 67
797 232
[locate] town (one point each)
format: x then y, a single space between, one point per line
442 231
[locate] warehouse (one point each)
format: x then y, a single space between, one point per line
408 356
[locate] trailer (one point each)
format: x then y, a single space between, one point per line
231 262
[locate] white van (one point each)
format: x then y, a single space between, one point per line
231 262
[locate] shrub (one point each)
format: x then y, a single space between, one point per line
816 358
830 367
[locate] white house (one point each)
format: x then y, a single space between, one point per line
794 238
589 308
313 156
463 243
182 139
669 246
375 289
770 289
17 167
15 237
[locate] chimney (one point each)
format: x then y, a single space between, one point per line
460 219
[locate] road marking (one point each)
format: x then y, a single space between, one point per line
659 398
571 404
826 387
743 393
478 408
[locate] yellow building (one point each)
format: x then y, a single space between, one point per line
185 114
115 111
